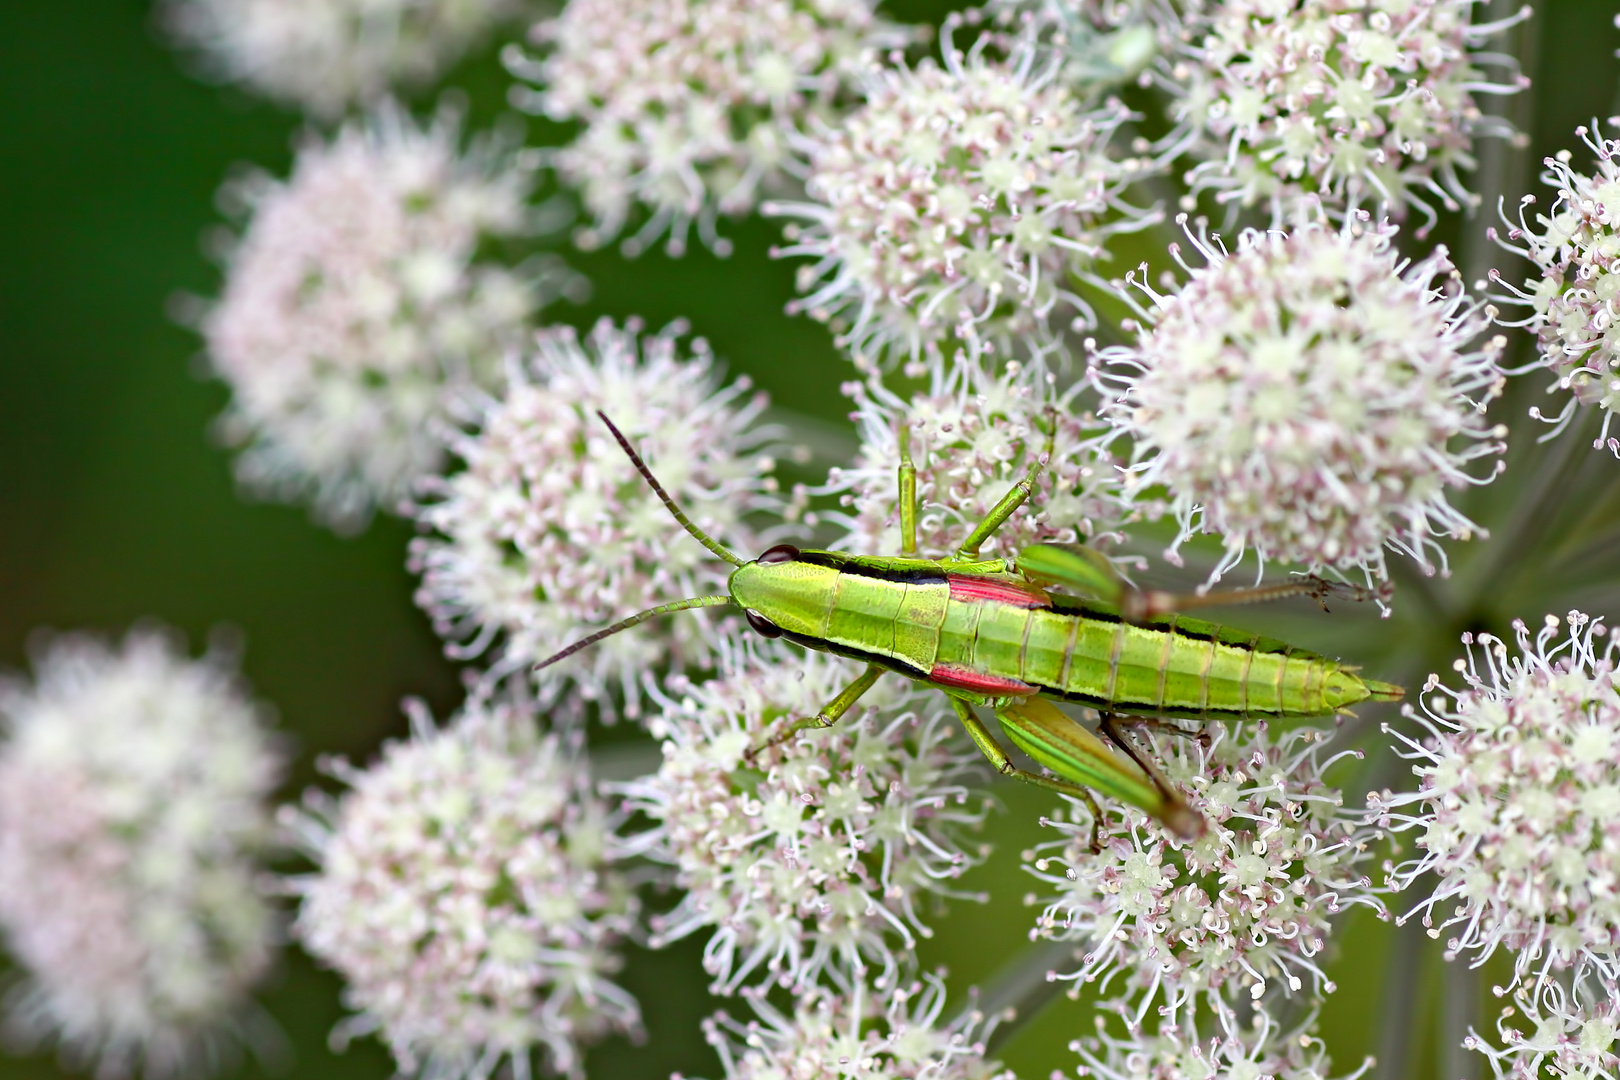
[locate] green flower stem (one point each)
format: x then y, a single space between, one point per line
1022 988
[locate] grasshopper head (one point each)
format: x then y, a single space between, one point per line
782 592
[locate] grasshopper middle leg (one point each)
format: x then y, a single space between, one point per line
828 716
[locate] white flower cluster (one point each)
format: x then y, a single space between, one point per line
1245 906
972 434
1557 1033
857 1036
462 894
548 533
1517 810
812 856
325 55
968 199
1574 311
355 302
1310 395
689 106
1176 1051
133 792
1342 101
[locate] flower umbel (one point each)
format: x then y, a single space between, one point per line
1571 1034
133 792
547 532
860 1035
1574 311
354 303
972 434
690 106
1338 101
1517 811
462 892
1244 906
1310 395
967 199
814 856
325 55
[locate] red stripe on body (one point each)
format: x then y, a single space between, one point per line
965 678
969 587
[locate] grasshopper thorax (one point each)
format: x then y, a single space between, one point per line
782 592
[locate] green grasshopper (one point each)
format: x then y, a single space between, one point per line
988 632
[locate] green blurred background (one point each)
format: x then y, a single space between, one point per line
115 505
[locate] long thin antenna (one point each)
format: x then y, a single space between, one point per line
646 474
634 620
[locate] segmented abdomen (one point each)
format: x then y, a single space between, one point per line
1178 668
1000 637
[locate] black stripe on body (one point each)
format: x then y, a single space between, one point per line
1199 631
1173 627
837 649
1131 708
850 564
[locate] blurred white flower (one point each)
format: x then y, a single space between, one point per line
1574 312
973 434
463 895
1556 1032
355 301
863 1034
689 106
547 533
813 858
1310 395
1230 1051
133 792
326 55
1517 811
968 199
1244 906
1339 101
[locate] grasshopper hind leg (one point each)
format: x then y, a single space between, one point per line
993 752
1114 728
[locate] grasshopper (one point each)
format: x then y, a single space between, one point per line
990 633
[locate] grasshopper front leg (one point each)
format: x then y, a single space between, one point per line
827 717
907 477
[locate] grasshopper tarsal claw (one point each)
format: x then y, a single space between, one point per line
1168 727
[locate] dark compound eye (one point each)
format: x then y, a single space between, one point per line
780 553
762 626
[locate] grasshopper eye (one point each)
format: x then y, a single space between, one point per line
779 553
762 626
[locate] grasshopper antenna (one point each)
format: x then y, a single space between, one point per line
658 489
662 609
634 620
